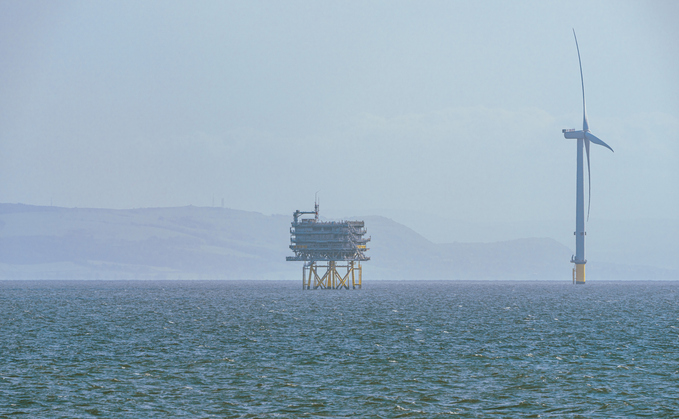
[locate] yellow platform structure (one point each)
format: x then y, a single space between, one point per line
331 278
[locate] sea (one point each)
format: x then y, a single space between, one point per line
259 349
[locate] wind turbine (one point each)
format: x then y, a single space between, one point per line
584 137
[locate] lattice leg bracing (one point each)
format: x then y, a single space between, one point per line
319 282
331 279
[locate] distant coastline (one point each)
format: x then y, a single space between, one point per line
41 242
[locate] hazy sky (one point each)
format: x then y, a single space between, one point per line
452 108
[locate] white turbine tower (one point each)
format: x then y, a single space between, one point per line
584 137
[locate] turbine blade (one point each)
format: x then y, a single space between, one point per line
585 125
593 138
589 178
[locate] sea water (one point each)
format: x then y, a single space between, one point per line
391 349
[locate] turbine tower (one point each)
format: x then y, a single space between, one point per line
584 137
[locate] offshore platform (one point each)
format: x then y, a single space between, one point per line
325 246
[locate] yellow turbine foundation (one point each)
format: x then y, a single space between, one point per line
579 274
331 278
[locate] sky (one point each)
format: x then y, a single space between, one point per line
452 109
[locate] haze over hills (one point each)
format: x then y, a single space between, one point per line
616 241
217 243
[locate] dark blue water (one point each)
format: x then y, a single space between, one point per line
412 349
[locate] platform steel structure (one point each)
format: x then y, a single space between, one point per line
332 251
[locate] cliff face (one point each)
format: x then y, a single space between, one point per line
218 243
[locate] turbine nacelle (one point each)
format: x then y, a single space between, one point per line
573 134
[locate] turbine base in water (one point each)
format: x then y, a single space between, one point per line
579 274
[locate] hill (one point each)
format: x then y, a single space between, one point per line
218 243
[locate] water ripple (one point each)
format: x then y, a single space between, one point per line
416 349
